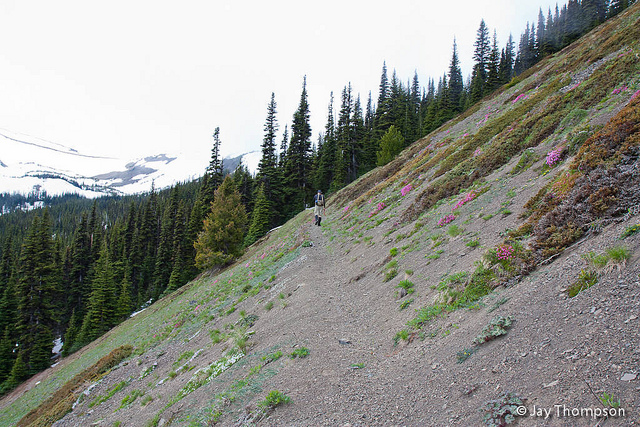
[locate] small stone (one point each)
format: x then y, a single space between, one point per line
344 341
633 317
628 377
551 384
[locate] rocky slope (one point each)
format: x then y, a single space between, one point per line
523 214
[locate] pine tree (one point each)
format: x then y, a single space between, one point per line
391 145
124 306
283 147
37 285
214 172
7 357
221 239
165 251
455 80
260 219
493 66
343 141
324 172
506 61
481 58
382 119
297 168
101 314
268 174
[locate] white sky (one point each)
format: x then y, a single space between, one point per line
137 77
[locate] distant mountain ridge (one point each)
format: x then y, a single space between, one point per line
29 164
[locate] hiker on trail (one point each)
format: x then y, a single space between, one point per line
318 209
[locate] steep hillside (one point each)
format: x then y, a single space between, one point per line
500 254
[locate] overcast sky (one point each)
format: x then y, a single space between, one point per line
136 77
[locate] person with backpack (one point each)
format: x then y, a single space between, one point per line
318 209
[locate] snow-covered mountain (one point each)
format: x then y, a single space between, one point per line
29 163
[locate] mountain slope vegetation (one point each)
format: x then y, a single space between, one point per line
493 263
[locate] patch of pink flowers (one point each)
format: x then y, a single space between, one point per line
477 152
346 209
553 156
519 97
504 252
405 190
635 94
469 197
619 89
446 220
378 208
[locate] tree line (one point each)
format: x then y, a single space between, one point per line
79 267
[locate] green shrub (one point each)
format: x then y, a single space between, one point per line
586 279
272 357
502 411
630 231
390 274
407 286
393 251
497 327
274 398
405 304
473 243
463 355
301 352
454 230
268 306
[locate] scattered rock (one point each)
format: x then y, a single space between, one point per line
344 341
551 384
628 377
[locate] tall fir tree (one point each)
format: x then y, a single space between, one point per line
261 217
268 175
39 280
324 171
297 168
102 311
456 85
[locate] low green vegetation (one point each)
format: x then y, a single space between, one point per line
498 326
301 353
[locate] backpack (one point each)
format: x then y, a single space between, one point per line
320 200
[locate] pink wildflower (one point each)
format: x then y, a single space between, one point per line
346 208
519 97
618 90
378 208
635 95
504 252
477 152
553 156
469 197
446 220
405 190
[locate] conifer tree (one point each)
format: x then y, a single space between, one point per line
506 61
7 357
481 58
455 80
221 239
391 145
283 147
38 282
124 306
101 314
343 141
214 171
261 217
268 174
323 174
297 168
493 65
